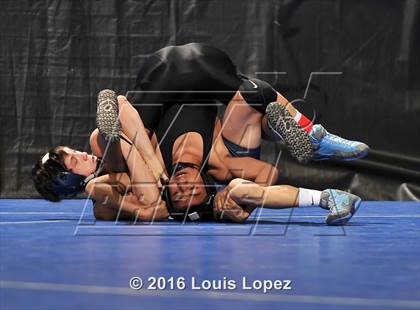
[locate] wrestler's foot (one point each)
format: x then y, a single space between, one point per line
342 206
294 137
107 115
329 146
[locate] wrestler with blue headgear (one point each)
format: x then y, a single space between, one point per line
64 172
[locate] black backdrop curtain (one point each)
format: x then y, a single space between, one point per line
363 56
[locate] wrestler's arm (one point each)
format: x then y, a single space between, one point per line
143 200
247 193
252 169
240 197
113 200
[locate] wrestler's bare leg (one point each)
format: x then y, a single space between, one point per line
304 140
133 128
243 125
110 152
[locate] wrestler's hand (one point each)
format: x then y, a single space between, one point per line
164 179
226 209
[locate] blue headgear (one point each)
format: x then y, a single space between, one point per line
67 184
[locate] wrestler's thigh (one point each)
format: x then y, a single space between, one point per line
242 123
111 152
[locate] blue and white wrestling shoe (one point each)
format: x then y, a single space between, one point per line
342 206
328 146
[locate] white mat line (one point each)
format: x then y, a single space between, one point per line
157 223
33 222
323 216
262 217
38 213
220 295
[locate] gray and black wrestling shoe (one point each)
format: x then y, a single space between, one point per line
107 119
295 138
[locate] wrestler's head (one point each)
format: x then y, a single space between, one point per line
187 188
58 160
79 162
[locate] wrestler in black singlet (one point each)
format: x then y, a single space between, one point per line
177 91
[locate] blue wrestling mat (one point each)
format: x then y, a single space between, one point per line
55 256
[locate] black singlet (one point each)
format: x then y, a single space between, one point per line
177 91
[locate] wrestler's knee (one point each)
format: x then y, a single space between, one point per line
104 213
95 144
257 93
273 175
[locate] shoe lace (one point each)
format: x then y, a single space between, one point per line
338 139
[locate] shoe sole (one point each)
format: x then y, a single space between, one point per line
345 158
343 220
107 119
294 137
358 156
